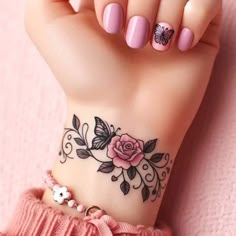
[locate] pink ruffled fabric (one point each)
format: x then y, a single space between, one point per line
33 217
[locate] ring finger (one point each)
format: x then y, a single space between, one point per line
168 21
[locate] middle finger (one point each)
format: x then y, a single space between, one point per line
141 16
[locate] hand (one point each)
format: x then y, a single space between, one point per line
149 94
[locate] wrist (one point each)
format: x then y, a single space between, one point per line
135 202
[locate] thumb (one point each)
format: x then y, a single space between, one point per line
38 12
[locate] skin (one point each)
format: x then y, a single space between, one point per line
148 94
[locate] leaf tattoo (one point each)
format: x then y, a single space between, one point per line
76 122
150 146
157 157
82 153
131 172
125 187
79 141
145 193
106 167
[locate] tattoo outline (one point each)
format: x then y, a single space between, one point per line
130 156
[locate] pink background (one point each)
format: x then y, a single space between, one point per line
201 196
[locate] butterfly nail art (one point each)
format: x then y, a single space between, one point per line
163 34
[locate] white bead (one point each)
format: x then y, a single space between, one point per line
71 203
67 195
80 208
60 201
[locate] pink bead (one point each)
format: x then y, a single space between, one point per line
71 203
51 181
50 185
45 178
81 208
50 178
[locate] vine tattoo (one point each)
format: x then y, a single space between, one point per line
131 158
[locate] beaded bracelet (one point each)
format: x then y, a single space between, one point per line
105 224
62 195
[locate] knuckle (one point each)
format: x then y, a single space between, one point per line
204 12
209 9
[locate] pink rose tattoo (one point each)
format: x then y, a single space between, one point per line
128 158
125 151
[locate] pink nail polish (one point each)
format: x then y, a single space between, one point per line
113 18
163 33
185 39
137 32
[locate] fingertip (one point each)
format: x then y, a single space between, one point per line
111 15
185 40
113 18
137 32
162 37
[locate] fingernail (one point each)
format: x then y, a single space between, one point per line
137 32
163 33
185 39
113 18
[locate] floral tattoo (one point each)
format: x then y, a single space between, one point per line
132 158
